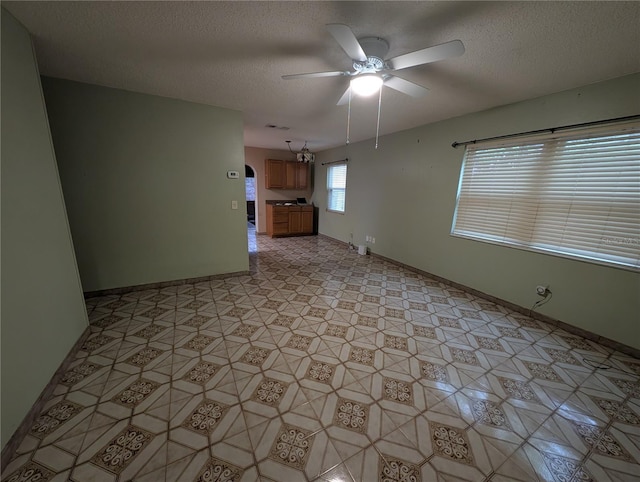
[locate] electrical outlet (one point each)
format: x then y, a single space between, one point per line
542 290
373 240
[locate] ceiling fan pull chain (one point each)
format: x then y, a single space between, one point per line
378 123
349 116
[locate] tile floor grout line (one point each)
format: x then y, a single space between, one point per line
242 410
328 294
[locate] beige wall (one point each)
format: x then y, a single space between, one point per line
255 157
145 181
42 312
404 195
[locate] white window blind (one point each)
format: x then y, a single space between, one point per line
574 194
337 187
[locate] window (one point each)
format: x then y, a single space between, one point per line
574 194
336 187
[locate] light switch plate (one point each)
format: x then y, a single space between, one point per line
234 204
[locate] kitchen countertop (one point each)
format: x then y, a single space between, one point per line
285 202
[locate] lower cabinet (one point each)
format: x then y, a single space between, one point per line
289 220
295 226
306 219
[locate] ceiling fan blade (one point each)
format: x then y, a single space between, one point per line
428 55
337 73
345 97
347 40
406 87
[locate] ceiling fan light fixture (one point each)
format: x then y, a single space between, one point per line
366 84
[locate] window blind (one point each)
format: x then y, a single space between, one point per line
337 187
575 194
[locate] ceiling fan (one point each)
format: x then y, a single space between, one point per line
371 70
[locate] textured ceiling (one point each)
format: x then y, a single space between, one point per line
232 54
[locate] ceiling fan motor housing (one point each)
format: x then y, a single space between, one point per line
376 49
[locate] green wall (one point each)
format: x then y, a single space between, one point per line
404 195
42 311
144 179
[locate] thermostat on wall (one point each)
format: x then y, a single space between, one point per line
233 174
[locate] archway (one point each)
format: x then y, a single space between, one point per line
250 194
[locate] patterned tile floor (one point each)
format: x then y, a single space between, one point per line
329 366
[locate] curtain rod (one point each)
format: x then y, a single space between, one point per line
550 129
346 159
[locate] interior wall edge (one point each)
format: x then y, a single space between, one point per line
29 419
161 284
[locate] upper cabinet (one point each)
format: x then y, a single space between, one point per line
286 174
302 175
274 174
290 175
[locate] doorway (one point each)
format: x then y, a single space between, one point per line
250 195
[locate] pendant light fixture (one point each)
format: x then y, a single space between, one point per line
305 155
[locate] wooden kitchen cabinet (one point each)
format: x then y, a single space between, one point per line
302 175
275 174
295 226
306 220
290 220
290 175
279 222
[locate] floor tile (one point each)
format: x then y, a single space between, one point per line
324 365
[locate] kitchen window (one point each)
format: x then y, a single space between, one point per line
574 194
336 187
